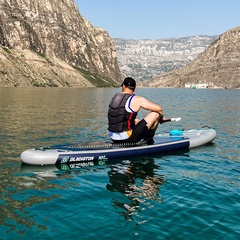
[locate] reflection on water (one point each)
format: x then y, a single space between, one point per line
138 181
20 192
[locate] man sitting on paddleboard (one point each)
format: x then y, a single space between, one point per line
123 125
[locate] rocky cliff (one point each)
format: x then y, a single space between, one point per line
48 43
218 66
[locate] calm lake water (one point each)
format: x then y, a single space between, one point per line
189 195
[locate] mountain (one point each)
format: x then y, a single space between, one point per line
218 66
144 59
49 43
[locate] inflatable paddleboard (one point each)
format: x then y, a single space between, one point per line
107 150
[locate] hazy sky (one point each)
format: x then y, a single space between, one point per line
157 19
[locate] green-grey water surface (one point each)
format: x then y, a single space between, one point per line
183 195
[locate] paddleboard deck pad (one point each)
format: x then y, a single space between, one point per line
107 150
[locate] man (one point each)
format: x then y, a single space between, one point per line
123 125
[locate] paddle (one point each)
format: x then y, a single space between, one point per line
170 120
163 121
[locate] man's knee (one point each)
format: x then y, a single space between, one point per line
156 115
151 118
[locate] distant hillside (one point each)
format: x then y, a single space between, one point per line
218 66
144 59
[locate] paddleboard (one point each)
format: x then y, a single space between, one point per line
101 151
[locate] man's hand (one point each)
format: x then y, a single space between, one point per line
162 120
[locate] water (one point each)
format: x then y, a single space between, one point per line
188 195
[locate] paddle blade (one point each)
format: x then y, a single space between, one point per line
175 119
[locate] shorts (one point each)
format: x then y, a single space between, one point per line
140 131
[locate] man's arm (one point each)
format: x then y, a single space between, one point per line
141 102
